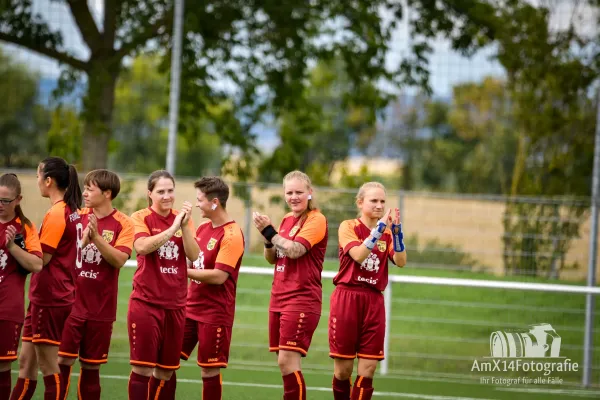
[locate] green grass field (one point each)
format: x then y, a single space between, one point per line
436 334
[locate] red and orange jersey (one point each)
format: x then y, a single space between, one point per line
161 276
97 281
12 282
373 272
60 236
297 282
221 248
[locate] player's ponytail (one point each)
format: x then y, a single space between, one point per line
66 179
73 196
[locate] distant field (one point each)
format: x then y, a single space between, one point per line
436 333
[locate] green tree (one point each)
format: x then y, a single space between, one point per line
64 135
22 121
324 129
140 137
255 44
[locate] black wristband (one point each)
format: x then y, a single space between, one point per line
269 232
269 245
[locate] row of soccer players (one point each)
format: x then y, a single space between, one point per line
77 256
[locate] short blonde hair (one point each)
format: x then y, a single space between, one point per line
302 177
360 196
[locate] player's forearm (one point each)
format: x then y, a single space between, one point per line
115 257
400 259
149 244
190 246
209 276
30 262
359 253
290 248
270 255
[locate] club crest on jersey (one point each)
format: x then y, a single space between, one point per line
293 231
108 235
381 245
179 233
211 244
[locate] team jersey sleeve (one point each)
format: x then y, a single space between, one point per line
53 228
231 249
140 229
347 236
313 230
124 241
32 240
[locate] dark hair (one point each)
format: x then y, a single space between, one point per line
66 178
213 186
12 182
104 180
154 177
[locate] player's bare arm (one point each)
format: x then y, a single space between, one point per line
288 247
149 244
114 257
208 276
270 254
30 262
360 253
190 246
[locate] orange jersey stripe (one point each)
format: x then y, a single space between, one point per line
370 357
53 226
85 360
139 223
209 365
232 246
298 349
335 355
46 341
168 366
314 229
126 236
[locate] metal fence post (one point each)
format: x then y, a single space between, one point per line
591 278
387 298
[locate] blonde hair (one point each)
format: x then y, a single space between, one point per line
302 177
360 196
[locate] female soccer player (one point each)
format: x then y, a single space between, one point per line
106 245
52 290
357 311
211 294
20 254
164 237
297 250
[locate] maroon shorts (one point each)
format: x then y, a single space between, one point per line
10 332
292 330
356 324
213 343
88 340
44 325
155 335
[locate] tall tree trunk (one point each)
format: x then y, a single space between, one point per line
98 111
